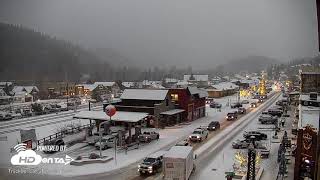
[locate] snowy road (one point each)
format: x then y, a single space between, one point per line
221 158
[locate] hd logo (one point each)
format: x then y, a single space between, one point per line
29 157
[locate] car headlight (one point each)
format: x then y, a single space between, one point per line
226 116
150 167
231 116
139 166
198 137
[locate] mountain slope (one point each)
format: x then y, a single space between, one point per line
29 55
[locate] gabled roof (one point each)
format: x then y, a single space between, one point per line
196 91
17 89
30 88
144 94
106 84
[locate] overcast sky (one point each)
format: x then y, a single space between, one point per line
201 33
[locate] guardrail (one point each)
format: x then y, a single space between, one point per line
64 133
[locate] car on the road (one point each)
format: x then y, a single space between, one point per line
106 142
148 136
245 101
183 143
215 105
275 112
253 105
256 134
241 144
151 164
232 116
267 119
213 125
236 105
209 100
199 134
264 153
242 110
5 116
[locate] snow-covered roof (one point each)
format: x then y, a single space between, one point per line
183 83
128 84
179 152
308 116
173 111
144 94
315 73
123 116
197 77
90 87
17 89
4 83
225 86
24 89
194 90
171 80
106 84
30 88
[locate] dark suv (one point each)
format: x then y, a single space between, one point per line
214 125
215 105
256 134
236 105
232 116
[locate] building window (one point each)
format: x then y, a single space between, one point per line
174 97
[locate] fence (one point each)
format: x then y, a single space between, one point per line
64 133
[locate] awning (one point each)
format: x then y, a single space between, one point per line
172 112
122 116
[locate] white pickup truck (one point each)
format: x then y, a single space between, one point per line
178 163
199 134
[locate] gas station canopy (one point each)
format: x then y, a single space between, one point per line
122 116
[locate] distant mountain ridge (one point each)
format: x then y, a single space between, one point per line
29 55
250 64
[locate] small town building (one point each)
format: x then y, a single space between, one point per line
307 151
310 82
222 89
191 99
109 88
156 102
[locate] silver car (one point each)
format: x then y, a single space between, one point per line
106 142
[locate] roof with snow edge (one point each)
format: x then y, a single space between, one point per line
144 94
106 84
123 116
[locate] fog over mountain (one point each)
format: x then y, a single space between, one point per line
202 33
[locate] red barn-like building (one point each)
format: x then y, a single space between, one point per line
192 100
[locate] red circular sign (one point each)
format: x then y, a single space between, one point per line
111 110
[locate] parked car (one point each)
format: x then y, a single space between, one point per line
236 105
106 142
232 116
245 102
5 116
267 119
253 105
215 105
241 144
242 110
275 112
183 143
213 125
256 134
199 134
148 136
151 164
209 100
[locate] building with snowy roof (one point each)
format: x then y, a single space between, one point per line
199 80
222 89
156 102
